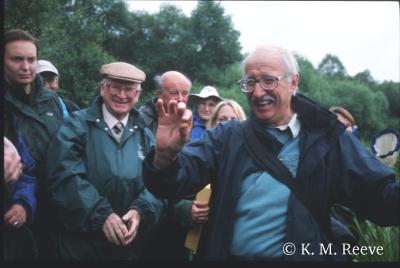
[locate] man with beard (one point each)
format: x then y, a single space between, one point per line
254 215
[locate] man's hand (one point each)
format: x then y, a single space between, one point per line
15 216
200 211
12 162
173 131
132 220
115 230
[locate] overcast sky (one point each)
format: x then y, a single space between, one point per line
364 35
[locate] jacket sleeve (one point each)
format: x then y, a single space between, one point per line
23 191
182 212
150 208
78 203
195 167
368 186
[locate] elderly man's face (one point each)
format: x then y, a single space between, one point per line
119 96
174 88
271 106
20 62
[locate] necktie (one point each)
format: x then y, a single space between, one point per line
118 128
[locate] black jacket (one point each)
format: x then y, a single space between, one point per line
333 168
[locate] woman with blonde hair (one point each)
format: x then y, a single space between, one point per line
226 110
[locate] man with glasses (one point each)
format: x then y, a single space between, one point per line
253 213
94 176
167 238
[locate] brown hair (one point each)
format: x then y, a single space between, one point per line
343 112
20 35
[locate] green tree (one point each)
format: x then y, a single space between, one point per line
366 78
215 40
392 93
71 36
332 67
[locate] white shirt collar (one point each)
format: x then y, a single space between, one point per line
110 119
294 126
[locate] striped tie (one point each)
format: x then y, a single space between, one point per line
118 127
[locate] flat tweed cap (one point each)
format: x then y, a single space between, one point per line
123 71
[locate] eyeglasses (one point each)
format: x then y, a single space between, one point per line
267 82
129 91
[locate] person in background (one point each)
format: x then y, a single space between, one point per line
37 113
346 119
167 238
302 138
204 104
50 76
226 110
94 174
19 194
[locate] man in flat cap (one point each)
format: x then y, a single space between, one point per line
95 177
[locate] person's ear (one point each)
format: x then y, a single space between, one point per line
294 82
102 88
158 94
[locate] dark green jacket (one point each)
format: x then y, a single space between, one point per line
38 116
91 175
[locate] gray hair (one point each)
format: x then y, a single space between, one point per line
159 82
288 59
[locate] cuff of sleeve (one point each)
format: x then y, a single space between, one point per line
148 163
97 223
28 211
183 213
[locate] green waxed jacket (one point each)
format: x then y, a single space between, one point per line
38 116
90 175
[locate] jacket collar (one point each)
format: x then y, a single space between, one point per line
94 113
36 94
312 115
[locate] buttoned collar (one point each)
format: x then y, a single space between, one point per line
110 119
294 126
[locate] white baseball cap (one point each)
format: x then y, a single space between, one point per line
46 66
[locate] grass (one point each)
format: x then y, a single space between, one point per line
374 235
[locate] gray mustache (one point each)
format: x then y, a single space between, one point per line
266 98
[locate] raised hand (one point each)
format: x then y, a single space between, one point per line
173 131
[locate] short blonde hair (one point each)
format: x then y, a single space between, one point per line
237 109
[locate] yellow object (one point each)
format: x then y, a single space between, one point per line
193 235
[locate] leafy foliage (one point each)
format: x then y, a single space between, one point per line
332 67
79 36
